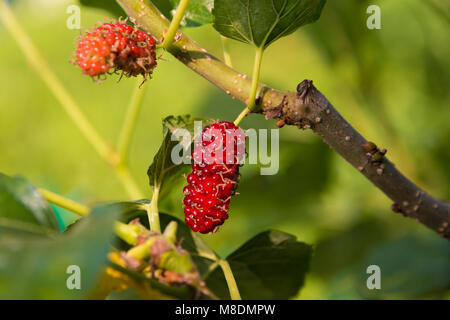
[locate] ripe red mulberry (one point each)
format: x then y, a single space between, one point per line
214 177
118 47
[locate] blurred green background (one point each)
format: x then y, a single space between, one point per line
391 84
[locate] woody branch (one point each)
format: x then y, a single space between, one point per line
307 109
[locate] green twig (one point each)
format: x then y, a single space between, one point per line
128 233
254 88
65 203
226 53
174 25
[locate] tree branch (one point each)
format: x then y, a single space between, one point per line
307 109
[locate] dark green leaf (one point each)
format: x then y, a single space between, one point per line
110 6
272 265
21 201
14 227
162 171
36 268
261 22
197 13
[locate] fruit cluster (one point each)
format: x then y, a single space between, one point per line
214 177
116 46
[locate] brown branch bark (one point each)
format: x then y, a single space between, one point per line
307 109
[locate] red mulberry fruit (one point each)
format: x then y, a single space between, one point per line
118 47
214 177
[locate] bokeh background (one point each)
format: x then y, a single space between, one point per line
391 84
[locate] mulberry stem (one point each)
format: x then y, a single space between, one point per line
254 88
126 232
64 203
231 281
173 28
153 213
226 53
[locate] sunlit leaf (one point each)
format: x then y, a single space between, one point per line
261 22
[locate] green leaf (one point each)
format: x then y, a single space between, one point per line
110 6
15 227
272 265
261 22
163 171
36 268
21 203
197 13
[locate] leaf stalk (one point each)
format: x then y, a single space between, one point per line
174 25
